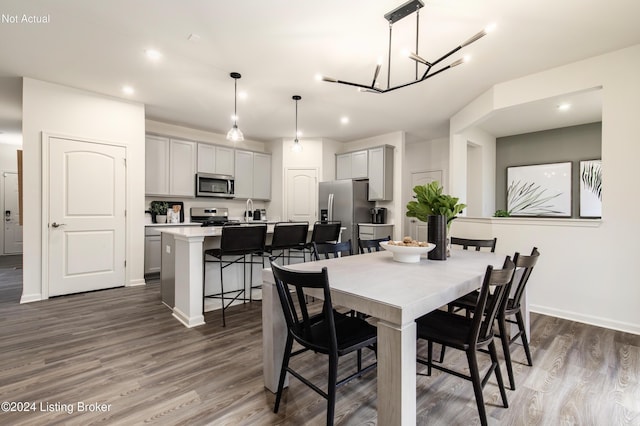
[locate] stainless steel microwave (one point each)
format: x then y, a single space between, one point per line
210 185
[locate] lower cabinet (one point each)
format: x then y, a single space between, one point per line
371 231
152 251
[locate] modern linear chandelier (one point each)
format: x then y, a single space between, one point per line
412 6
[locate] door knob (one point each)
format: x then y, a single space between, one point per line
55 225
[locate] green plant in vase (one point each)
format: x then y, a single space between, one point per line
430 201
159 208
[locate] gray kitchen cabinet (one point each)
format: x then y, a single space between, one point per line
182 168
170 167
152 251
156 165
253 175
352 165
381 173
373 231
215 159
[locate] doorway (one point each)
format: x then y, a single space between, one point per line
301 203
84 229
12 235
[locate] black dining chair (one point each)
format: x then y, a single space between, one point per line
327 332
288 236
511 306
469 242
331 250
236 243
471 334
369 246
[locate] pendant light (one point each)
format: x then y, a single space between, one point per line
235 134
297 147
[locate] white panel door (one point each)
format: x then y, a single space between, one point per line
418 229
302 195
86 233
11 209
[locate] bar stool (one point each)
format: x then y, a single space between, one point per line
236 243
288 236
323 232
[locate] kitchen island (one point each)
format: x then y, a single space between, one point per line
182 270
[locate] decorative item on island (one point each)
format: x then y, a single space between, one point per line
158 211
438 210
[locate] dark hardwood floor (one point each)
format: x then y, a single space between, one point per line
122 349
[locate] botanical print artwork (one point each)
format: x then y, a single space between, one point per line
539 190
591 188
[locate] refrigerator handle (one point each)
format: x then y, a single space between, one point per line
330 208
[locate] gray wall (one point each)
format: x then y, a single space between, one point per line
573 144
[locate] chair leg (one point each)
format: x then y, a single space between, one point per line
224 323
442 349
494 360
283 372
525 341
477 385
504 338
429 356
359 360
331 389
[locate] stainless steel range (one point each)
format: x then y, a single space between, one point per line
210 216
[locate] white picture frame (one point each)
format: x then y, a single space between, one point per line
541 190
590 179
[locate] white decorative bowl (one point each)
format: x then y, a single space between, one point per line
407 254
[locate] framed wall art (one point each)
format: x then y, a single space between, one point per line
590 188
539 190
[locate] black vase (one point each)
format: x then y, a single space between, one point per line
437 234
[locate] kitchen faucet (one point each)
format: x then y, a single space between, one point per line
248 210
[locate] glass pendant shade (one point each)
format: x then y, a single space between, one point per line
235 134
297 146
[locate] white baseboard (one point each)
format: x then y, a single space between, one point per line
28 298
135 283
587 319
186 320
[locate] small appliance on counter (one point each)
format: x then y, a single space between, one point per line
378 215
210 216
260 214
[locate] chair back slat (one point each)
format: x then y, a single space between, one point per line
331 250
527 263
469 242
369 246
296 315
496 280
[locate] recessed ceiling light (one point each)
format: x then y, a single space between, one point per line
564 107
153 54
344 120
128 90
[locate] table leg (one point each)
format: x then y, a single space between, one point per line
396 374
274 333
188 282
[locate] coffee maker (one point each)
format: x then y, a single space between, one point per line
378 215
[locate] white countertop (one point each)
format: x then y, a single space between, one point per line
207 231
375 224
172 224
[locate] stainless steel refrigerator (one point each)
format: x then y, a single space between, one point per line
346 201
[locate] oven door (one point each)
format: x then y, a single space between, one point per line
209 185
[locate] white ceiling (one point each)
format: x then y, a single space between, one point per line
280 45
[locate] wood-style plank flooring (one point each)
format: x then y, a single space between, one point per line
121 347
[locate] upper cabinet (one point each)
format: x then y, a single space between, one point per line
156 165
253 175
170 167
351 165
375 164
381 173
215 159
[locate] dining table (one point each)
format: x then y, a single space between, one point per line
394 294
